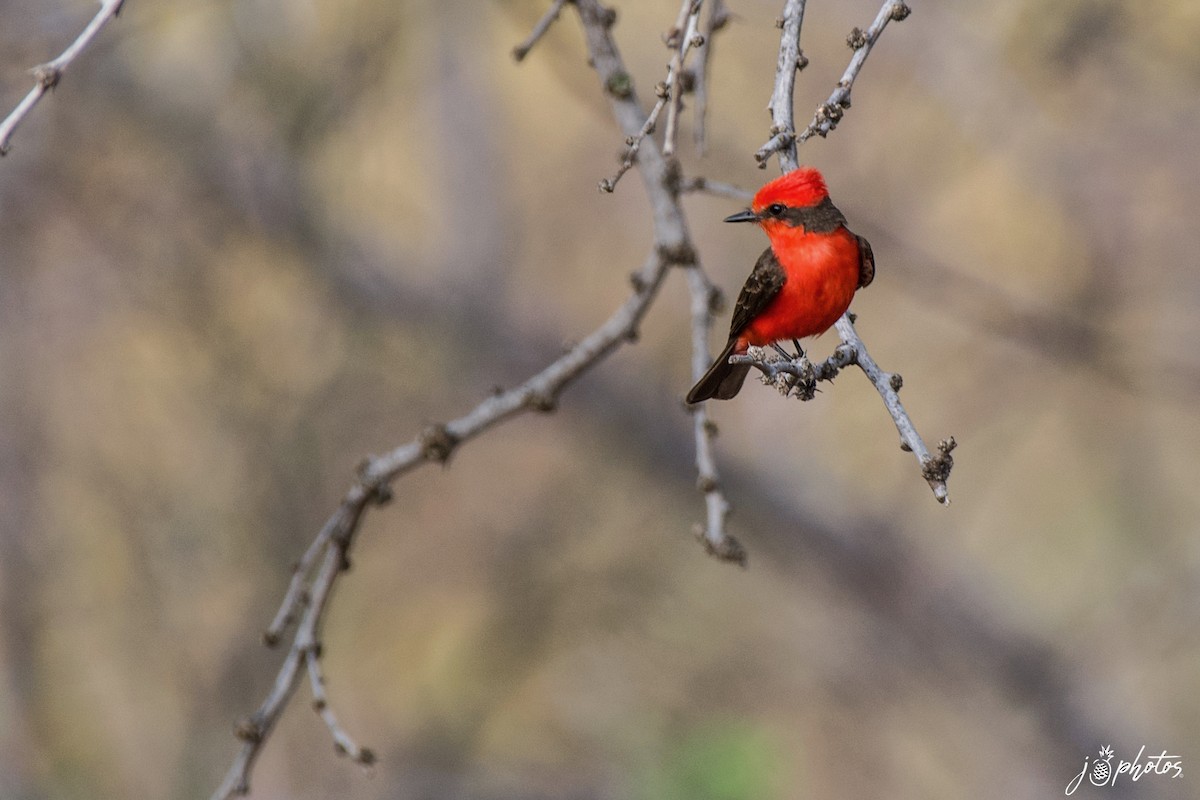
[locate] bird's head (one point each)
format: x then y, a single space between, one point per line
800 188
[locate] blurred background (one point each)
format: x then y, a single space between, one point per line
246 243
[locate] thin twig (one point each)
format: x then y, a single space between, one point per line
539 393
718 17
296 595
935 469
335 539
342 741
620 87
706 301
539 30
690 38
328 556
790 61
702 184
830 112
798 377
46 76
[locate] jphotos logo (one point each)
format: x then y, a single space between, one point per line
1104 773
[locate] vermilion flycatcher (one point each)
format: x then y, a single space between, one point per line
801 284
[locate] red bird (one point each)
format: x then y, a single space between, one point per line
801 284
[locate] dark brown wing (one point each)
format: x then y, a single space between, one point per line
866 262
760 289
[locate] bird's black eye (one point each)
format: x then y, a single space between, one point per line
776 209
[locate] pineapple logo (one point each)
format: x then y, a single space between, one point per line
1102 769
1104 773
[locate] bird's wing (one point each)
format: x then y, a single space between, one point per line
760 289
866 262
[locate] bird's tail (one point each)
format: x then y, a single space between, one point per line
723 380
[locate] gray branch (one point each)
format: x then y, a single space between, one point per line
706 299
935 469
681 39
539 30
783 118
830 112
46 76
798 377
718 18
327 557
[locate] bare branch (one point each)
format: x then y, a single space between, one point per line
342 741
539 393
333 543
682 38
798 377
935 469
296 596
46 76
328 555
690 38
539 30
702 184
783 119
830 112
718 18
706 301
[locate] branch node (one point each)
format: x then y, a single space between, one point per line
857 39
680 254
900 11
895 381
539 30
673 177
437 443
716 300
619 85
727 549
382 494
938 467
248 730
540 402
47 75
375 486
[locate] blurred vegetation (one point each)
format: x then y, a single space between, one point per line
246 242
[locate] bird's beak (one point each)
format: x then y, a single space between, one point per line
743 216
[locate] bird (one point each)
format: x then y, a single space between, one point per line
800 285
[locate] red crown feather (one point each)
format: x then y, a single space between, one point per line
799 188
